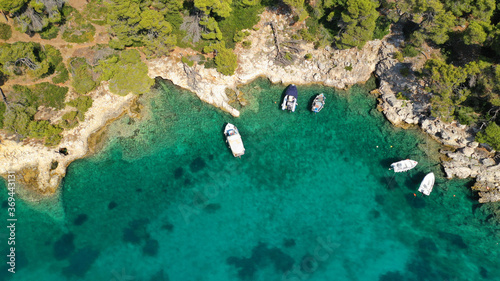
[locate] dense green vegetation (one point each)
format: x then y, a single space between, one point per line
125 72
33 15
77 28
5 31
44 60
18 117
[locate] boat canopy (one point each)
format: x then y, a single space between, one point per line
291 90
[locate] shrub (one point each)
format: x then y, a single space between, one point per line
70 116
240 35
306 35
246 44
466 115
62 75
226 61
50 32
400 96
296 37
77 29
398 56
126 73
348 68
2 111
82 76
82 104
187 61
288 56
410 51
490 135
308 56
5 31
381 28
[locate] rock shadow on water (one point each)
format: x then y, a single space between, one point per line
159 276
262 256
392 276
112 205
80 262
454 239
212 208
197 164
151 248
81 219
178 173
426 246
64 246
416 201
422 269
136 231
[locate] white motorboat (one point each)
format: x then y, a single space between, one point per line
427 184
233 138
318 103
404 165
290 100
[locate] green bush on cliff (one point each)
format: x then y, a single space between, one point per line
82 104
83 81
5 31
45 94
2 111
490 135
77 29
126 73
226 61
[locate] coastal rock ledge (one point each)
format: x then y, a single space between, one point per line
404 102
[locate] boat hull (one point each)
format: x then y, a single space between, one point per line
427 184
318 103
233 138
404 165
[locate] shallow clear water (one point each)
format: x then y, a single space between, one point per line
312 199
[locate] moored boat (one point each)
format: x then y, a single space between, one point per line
318 103
234 140
290 100
404 165
427 184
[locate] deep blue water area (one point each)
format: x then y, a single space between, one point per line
312 199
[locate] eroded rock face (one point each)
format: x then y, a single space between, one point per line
336 68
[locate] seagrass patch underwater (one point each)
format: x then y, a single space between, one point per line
312 199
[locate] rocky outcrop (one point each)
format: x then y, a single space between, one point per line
42 167
404 101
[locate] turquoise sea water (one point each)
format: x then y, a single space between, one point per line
312 199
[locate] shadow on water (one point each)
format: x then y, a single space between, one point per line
80 262
415 201
454 239
262 256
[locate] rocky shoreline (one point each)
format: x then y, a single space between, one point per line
335 68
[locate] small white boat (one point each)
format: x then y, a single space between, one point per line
404 165
427 184
233 138
318 103
290 100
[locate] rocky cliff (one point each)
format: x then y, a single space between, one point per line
404 101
